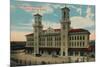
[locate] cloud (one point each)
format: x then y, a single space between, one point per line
20 35
57 5
46 9
79 10
84 22
89 13
91 28
72 6
22 26
81 22
54 25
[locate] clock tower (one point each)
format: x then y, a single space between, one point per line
65 26
37 30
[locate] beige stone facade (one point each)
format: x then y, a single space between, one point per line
60 42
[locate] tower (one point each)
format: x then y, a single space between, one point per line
65 26
37 30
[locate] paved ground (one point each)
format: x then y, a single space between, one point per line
27 59
30 59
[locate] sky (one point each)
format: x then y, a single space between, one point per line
22 17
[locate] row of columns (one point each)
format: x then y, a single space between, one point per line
78 53
48 53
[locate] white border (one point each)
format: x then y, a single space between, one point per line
5 33
85 2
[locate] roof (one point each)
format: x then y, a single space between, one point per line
78 30
56 30
65 8
70 31
31 34
74 30
37 14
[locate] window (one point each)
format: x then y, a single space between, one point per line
64 27
80 44
69 44
72 38
83 43
77 37
70 53
51 39
81 53
72 44
55 38
63 53
59 38
77 44
76 53
63 36
83 37
55 43
80 37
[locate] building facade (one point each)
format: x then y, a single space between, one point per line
62 42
